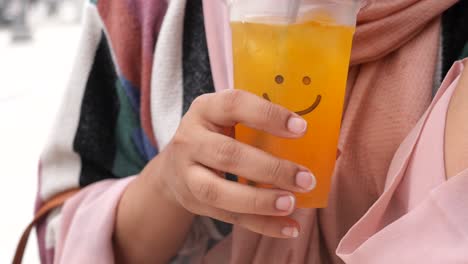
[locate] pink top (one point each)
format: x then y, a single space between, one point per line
420 218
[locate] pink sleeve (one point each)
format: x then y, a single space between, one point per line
87 224
434 232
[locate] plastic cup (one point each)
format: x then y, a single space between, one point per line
296 54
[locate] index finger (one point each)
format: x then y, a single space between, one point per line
231 107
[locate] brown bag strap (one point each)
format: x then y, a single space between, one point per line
50 205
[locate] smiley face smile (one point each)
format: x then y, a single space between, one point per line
306 80
306 111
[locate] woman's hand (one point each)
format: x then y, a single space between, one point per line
185 179
191 165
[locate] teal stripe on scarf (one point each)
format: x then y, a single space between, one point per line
128 161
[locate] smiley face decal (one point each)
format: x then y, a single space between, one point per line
279 79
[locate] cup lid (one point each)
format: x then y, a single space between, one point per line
342 12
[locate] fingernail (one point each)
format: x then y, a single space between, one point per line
305 180
290 231
297 125
285 203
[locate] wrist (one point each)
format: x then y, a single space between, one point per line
150 214
153 180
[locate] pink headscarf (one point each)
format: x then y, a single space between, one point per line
390 85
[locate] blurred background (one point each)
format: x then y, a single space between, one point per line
38 44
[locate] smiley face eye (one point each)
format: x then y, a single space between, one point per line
306 80
279 79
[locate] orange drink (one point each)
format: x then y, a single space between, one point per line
302 66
